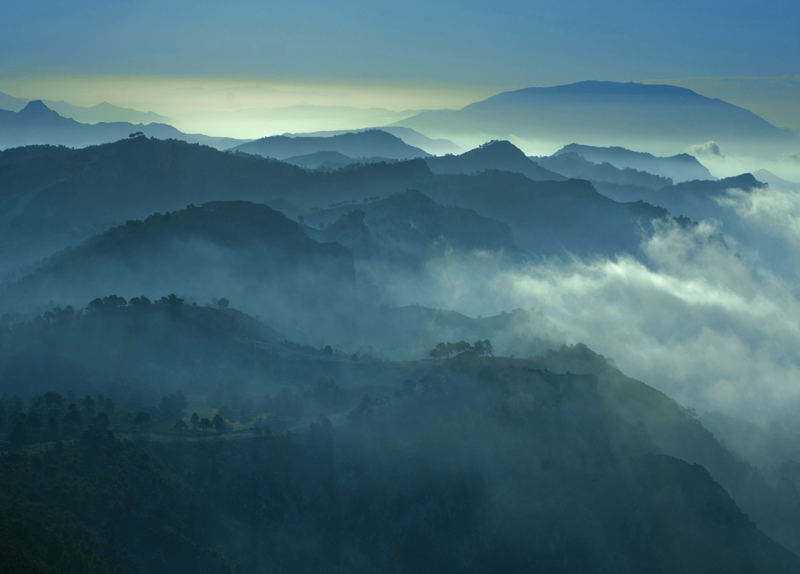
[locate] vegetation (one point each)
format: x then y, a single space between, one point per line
430 481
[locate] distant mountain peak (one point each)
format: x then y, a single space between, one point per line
499 147
37 108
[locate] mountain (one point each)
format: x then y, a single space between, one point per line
658 117
411 137
36 124
331 160
698 199
243 250
408 228
681 167
676 432
414 138
429 478
575 166
52 197
256 122
11 103
411 331
499 155
372 143
551 217
775 181
102 112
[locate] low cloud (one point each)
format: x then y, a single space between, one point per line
692 319
705 150
774 211
793 157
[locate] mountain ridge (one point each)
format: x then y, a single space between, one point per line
662 118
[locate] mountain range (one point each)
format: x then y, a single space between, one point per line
499 155
661 118
213 361
371 143
204 250
411 137
36 124
573 165
681 167
102 112
57 196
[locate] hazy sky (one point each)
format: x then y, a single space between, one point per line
475 47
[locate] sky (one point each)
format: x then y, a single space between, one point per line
397 55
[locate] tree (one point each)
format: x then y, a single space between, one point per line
100 421
18 435
204 424
73 416
219 424
142 419
53 399
461 347
195 420
440 351
327 350
88 404
483 348
181 426
172 405
51 430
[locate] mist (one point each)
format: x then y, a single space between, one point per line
459 316
694 318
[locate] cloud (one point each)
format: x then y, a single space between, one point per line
691 319
772 210
695 321
707 149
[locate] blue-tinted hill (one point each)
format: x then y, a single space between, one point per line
37 124
371 143
656 117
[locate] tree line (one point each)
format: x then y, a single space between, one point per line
447 350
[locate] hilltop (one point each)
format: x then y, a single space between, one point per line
498 155
370 143
202 251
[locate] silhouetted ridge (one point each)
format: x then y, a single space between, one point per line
576 166
500 155
680 167
37 124
370 143
593 87
201 250
658 117
36 108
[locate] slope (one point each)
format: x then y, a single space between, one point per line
498 155
247 251
658 117
36 124
371 143
681 167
